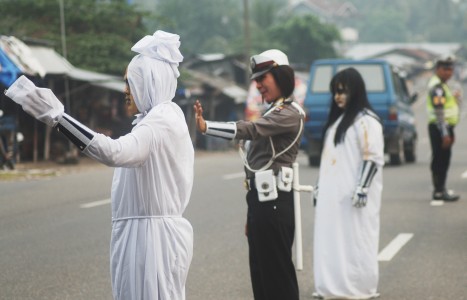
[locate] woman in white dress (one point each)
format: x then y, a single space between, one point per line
346 232
151 243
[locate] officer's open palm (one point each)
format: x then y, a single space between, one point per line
200 122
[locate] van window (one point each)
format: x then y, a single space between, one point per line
321 80
401 88
372 75
398 86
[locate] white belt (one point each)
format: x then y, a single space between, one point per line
146 217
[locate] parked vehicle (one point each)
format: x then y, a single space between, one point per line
387 93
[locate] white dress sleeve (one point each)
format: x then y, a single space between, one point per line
130 150
370 139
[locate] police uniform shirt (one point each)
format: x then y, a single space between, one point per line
282 123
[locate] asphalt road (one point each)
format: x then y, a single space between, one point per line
55 232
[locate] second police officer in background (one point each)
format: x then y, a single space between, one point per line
443 116
272 146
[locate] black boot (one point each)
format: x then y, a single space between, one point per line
445 196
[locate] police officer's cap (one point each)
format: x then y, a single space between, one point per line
264 62
446 61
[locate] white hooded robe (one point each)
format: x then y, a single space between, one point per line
151 243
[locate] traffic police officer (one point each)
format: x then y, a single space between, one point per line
272 146
443 114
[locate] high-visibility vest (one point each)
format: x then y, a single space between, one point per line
450 106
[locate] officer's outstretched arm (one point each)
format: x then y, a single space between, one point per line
368 172
226 130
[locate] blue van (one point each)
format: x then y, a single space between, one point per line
387 93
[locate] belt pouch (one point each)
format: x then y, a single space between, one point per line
265 182
285 179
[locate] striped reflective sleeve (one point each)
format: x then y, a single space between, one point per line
226 130
76 132
368 172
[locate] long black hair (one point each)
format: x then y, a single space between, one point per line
357 100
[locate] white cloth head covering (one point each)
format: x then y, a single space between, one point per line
152 74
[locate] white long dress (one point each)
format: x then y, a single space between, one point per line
346 238
151 244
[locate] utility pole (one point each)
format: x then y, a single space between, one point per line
72 154
62 27
64 52
246 25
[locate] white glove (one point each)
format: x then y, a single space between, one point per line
360 198
40 103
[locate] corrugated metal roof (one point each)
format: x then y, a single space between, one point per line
235 92
370 50
42 61
117 86
228 88
98 79
55 64
52 62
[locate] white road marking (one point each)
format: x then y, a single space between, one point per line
464 175
95 203
437 202
394 246
233 176
424 140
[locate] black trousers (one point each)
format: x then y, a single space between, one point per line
271 229
440 159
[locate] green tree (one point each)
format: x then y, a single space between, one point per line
204 26
264 15
99 34
207 26
305 38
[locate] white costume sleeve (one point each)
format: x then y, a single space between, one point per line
131 150
370 139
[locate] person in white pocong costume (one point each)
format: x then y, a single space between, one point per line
346 232
151 243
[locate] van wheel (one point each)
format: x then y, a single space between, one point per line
395 159
313 161
409 152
